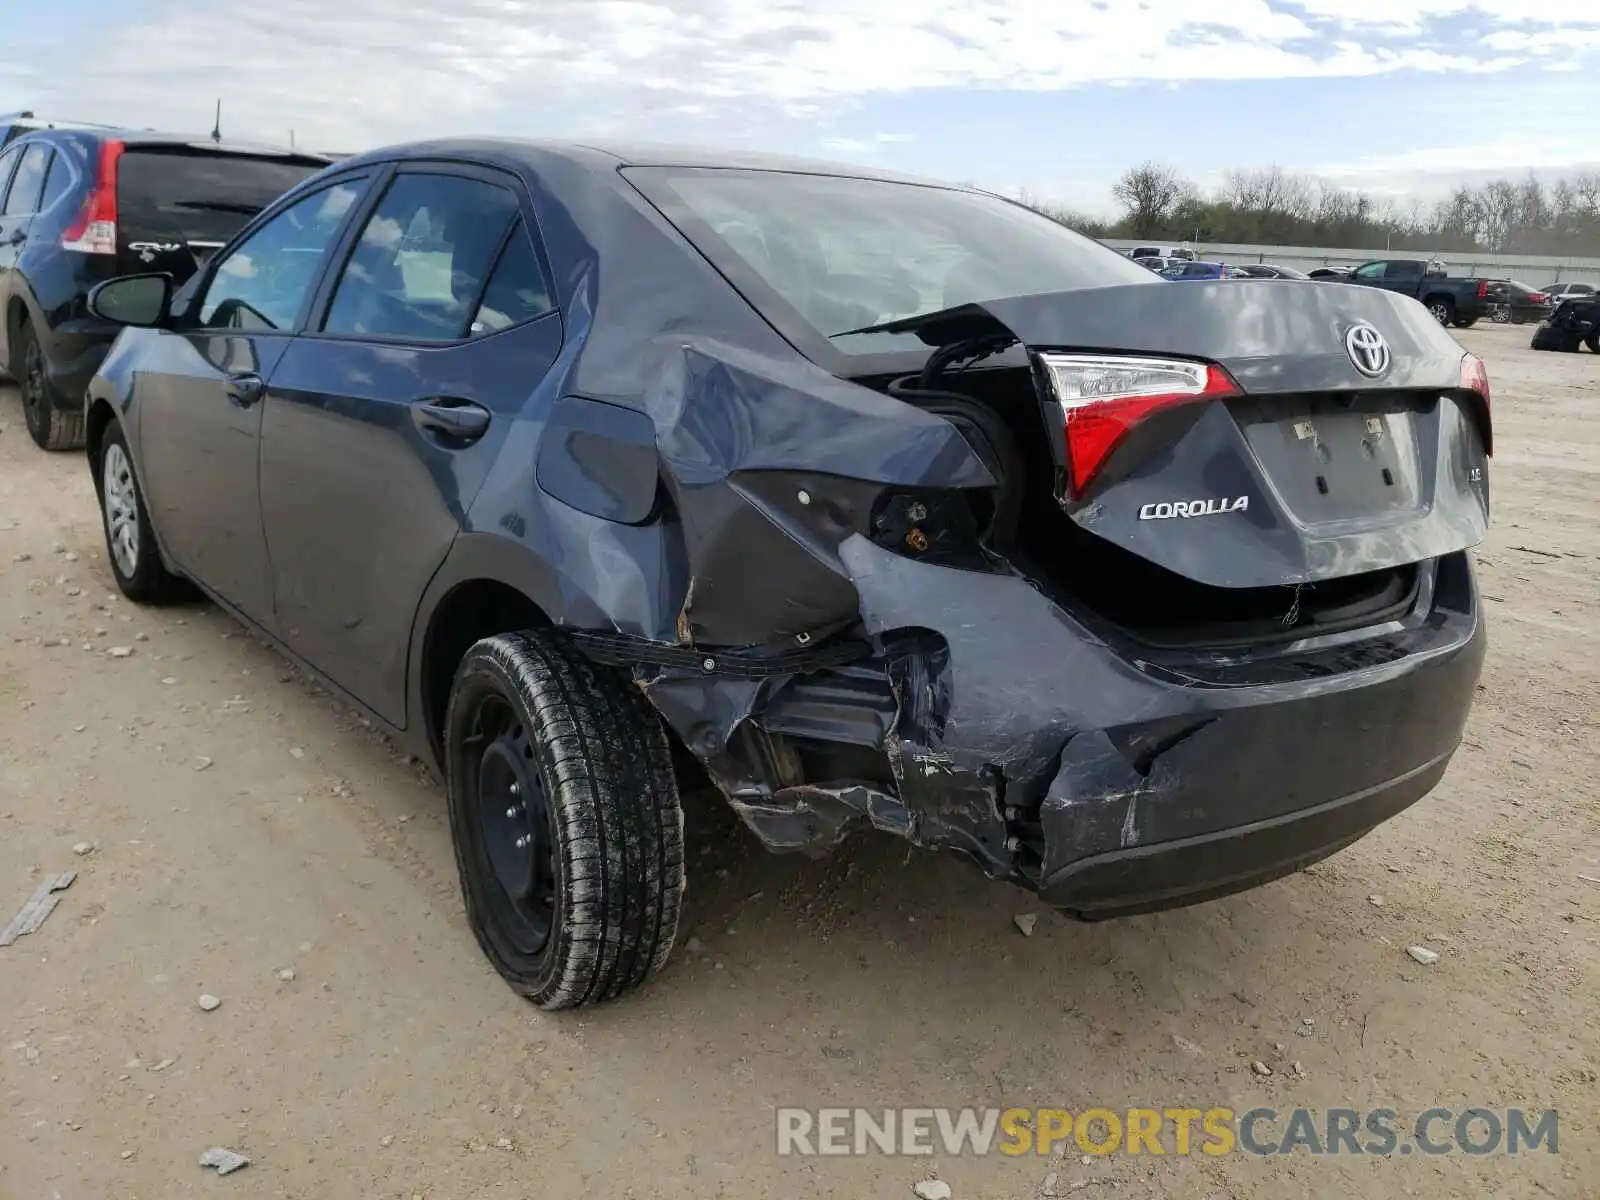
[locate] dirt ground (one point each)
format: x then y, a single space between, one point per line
243 823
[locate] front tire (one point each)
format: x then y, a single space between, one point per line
1593 341
130 541
50 427
565 816
1465 322
1443 311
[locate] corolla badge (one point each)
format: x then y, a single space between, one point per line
1367 350
1165 510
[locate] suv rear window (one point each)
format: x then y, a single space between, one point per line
199 196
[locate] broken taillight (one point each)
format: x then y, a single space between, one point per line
94 230
1103 397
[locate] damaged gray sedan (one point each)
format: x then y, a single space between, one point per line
887 503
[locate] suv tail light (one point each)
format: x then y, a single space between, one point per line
94 229
1102 398
1537 298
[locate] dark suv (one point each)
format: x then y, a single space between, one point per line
80 205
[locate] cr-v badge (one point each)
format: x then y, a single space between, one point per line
1192 508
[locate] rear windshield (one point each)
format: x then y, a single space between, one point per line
199 196
842 253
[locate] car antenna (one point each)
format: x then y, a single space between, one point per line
216 129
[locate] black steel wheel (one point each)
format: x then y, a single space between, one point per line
565 817
49 426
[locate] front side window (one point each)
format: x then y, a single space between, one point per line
264 281
419 268
29 181
843 253
1371 271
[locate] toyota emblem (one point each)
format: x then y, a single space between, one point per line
1367 350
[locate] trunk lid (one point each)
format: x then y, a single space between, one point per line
1316 466
177 204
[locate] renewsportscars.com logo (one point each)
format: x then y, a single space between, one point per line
1379 1132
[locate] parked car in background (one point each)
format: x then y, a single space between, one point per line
788 459
1520 304
1202 270
1452 301
14 125
1182 252
1158 265
1270 271
80 205
1575 322
1568 291
1329 273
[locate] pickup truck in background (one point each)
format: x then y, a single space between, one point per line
1457 302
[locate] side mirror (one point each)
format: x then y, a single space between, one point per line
143 300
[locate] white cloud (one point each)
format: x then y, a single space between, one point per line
368 71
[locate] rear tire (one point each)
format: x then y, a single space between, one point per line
130 540
50 427
1593 342
565 816
1443 310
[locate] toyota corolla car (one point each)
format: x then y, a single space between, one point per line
892 504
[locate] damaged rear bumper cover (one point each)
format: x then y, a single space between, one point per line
1107 780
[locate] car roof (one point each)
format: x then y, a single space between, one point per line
156 137
607 156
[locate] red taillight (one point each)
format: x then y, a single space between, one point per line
94 230
1103 397
1483 289
1475 378
1537 298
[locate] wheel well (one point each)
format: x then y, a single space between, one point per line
471 612
95 425
16 314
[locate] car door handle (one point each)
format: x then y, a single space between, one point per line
457 420
244 390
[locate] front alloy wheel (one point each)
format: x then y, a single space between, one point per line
122 510
130 543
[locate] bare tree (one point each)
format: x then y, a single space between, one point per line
1150 193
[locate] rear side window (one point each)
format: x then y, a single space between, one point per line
1404 270
58 182
8 164
264 281
517 290
28 183
166 194
421 263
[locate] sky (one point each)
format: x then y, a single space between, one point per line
1050 97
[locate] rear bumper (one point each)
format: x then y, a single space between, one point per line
1172 872
1125 785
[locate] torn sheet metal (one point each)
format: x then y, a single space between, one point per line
39 906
